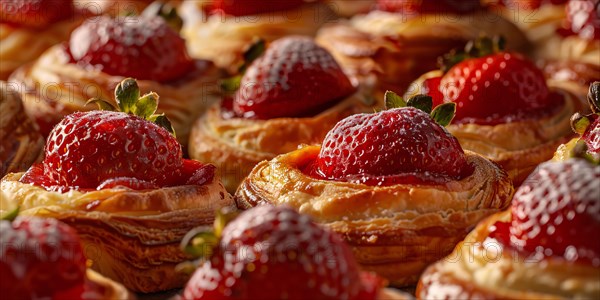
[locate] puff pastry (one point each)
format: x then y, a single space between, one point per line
223 39
52 87
236 145
518 146
104 288
20 141
395 231
130 236
479 268
390 50
20 45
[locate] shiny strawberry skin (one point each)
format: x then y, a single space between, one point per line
39 258
556 211
497 88
35 13
591 136
253 7
583 19
409 7
144 48
87 148
295 77
400 144
275 253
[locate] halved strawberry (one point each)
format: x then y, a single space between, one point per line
414 7
145 48
35 13
556 212
583 19
400 145
295 77
105 149
273 252
252 7
40 259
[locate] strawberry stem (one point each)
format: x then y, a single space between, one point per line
580 150
480 47
166 11
127 93
102 104
593 97
579 123
393 100
444 113
422 102
10 215
200 242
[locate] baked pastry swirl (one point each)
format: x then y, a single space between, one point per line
507 110
390 49
291 95
54 85
121 182
396 186
21 143
223 36
24 40
527 252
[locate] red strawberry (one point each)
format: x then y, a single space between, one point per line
275 253
252 7
40 259
105 149
583 19
557 211
414 7
497 88
293 78
143 48
592 136
393 146
35 13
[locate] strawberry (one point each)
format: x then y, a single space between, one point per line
40 259
35 13
252 7
393 146
591 136
273 252
105 149
583 19
145 48
295 77
588 126
413 7
557 210
497 88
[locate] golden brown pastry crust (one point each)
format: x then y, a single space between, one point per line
236 145
490 271
518 146
20 141
350 8
20 45
131 236
51 88
223 39
395 230
391 50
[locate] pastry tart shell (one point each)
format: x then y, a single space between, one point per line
109 290
52 88
483 268
395 231
130 236
236 145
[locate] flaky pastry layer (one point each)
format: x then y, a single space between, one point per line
395 230
395 49
521 145
131 236
51 88
483 268
20 45
105 289
223 39
236 145
20 141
